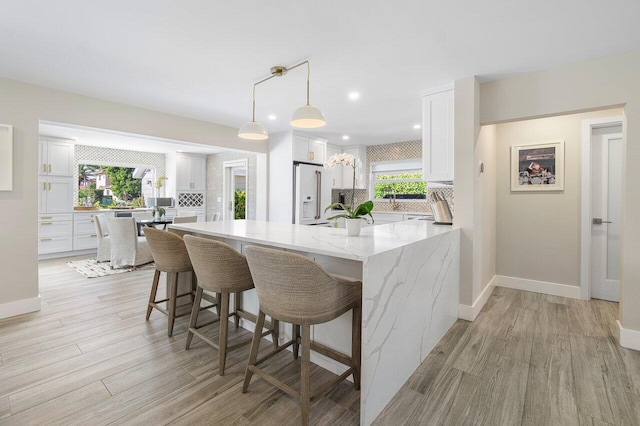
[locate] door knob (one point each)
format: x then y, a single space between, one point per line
599 221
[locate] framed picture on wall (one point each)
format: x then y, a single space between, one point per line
537 167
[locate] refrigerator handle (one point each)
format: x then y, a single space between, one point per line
318 192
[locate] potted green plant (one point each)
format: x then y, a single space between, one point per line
353 216
158 212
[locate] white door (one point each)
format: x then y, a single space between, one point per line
199 166
234 178
59 194
606 184
184 173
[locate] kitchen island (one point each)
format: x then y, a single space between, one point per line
410 278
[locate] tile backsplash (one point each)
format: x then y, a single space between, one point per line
389 152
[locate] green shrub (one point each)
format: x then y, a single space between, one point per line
240 204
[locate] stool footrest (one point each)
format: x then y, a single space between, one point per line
329 386
331 353
275 351
277 383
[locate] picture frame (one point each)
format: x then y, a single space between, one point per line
6 157
537 167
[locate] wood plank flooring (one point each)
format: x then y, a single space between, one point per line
89 357
528 359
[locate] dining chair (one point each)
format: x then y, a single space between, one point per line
142 215
104 241
127 248
295 289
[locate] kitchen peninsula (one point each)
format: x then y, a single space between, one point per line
410 276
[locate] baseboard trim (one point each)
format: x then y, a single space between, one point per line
629 338
19 307
544 287
469 313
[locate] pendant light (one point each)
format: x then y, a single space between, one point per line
305 117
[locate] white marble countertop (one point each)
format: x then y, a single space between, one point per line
334 242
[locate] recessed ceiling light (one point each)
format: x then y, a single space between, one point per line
345 138
416 126
272 117
354 95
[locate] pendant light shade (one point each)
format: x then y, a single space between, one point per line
308 117
305 117
253 131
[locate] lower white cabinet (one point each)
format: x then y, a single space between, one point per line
55 233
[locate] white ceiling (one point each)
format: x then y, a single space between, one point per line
199 58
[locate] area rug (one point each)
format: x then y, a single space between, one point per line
90 268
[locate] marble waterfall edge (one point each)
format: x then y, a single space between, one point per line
410 301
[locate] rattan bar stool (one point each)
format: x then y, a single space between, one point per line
295 289
170 256
223 270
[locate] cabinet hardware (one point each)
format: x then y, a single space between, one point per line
44 168
46 239
49 168
93 235
44 186
598 221
49 186
46 223
312 155
45 217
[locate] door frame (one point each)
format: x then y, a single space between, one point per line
585 209
227 167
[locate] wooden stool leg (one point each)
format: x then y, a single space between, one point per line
255 346
195 310
276 332
154 290
356 344
305 388
224 330
236 307
194 286
173 295
296 340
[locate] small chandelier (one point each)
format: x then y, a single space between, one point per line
305 117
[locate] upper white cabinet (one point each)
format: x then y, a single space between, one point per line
437 137
55 157
309 150
191 173
360 152
336 172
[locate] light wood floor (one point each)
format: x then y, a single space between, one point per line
528 359
89 357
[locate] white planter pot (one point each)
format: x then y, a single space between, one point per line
353 227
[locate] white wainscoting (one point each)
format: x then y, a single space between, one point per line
470 312
19 307
629 338
544 287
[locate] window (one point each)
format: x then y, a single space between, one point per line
400 178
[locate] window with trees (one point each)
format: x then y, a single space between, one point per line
401 180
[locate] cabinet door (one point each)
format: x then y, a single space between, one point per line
347 175
437 137
317 151
60 156
301 148
183 172
59 195
42 158
336 172
199 167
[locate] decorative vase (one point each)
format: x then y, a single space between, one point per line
157 216
353 227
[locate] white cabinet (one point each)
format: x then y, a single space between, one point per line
309 150
336 172
55 194
360 152
55 158
437 137
191 173
55 233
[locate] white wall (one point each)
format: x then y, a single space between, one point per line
589 85
538 233
22 106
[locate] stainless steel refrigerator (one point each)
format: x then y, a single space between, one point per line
311 194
